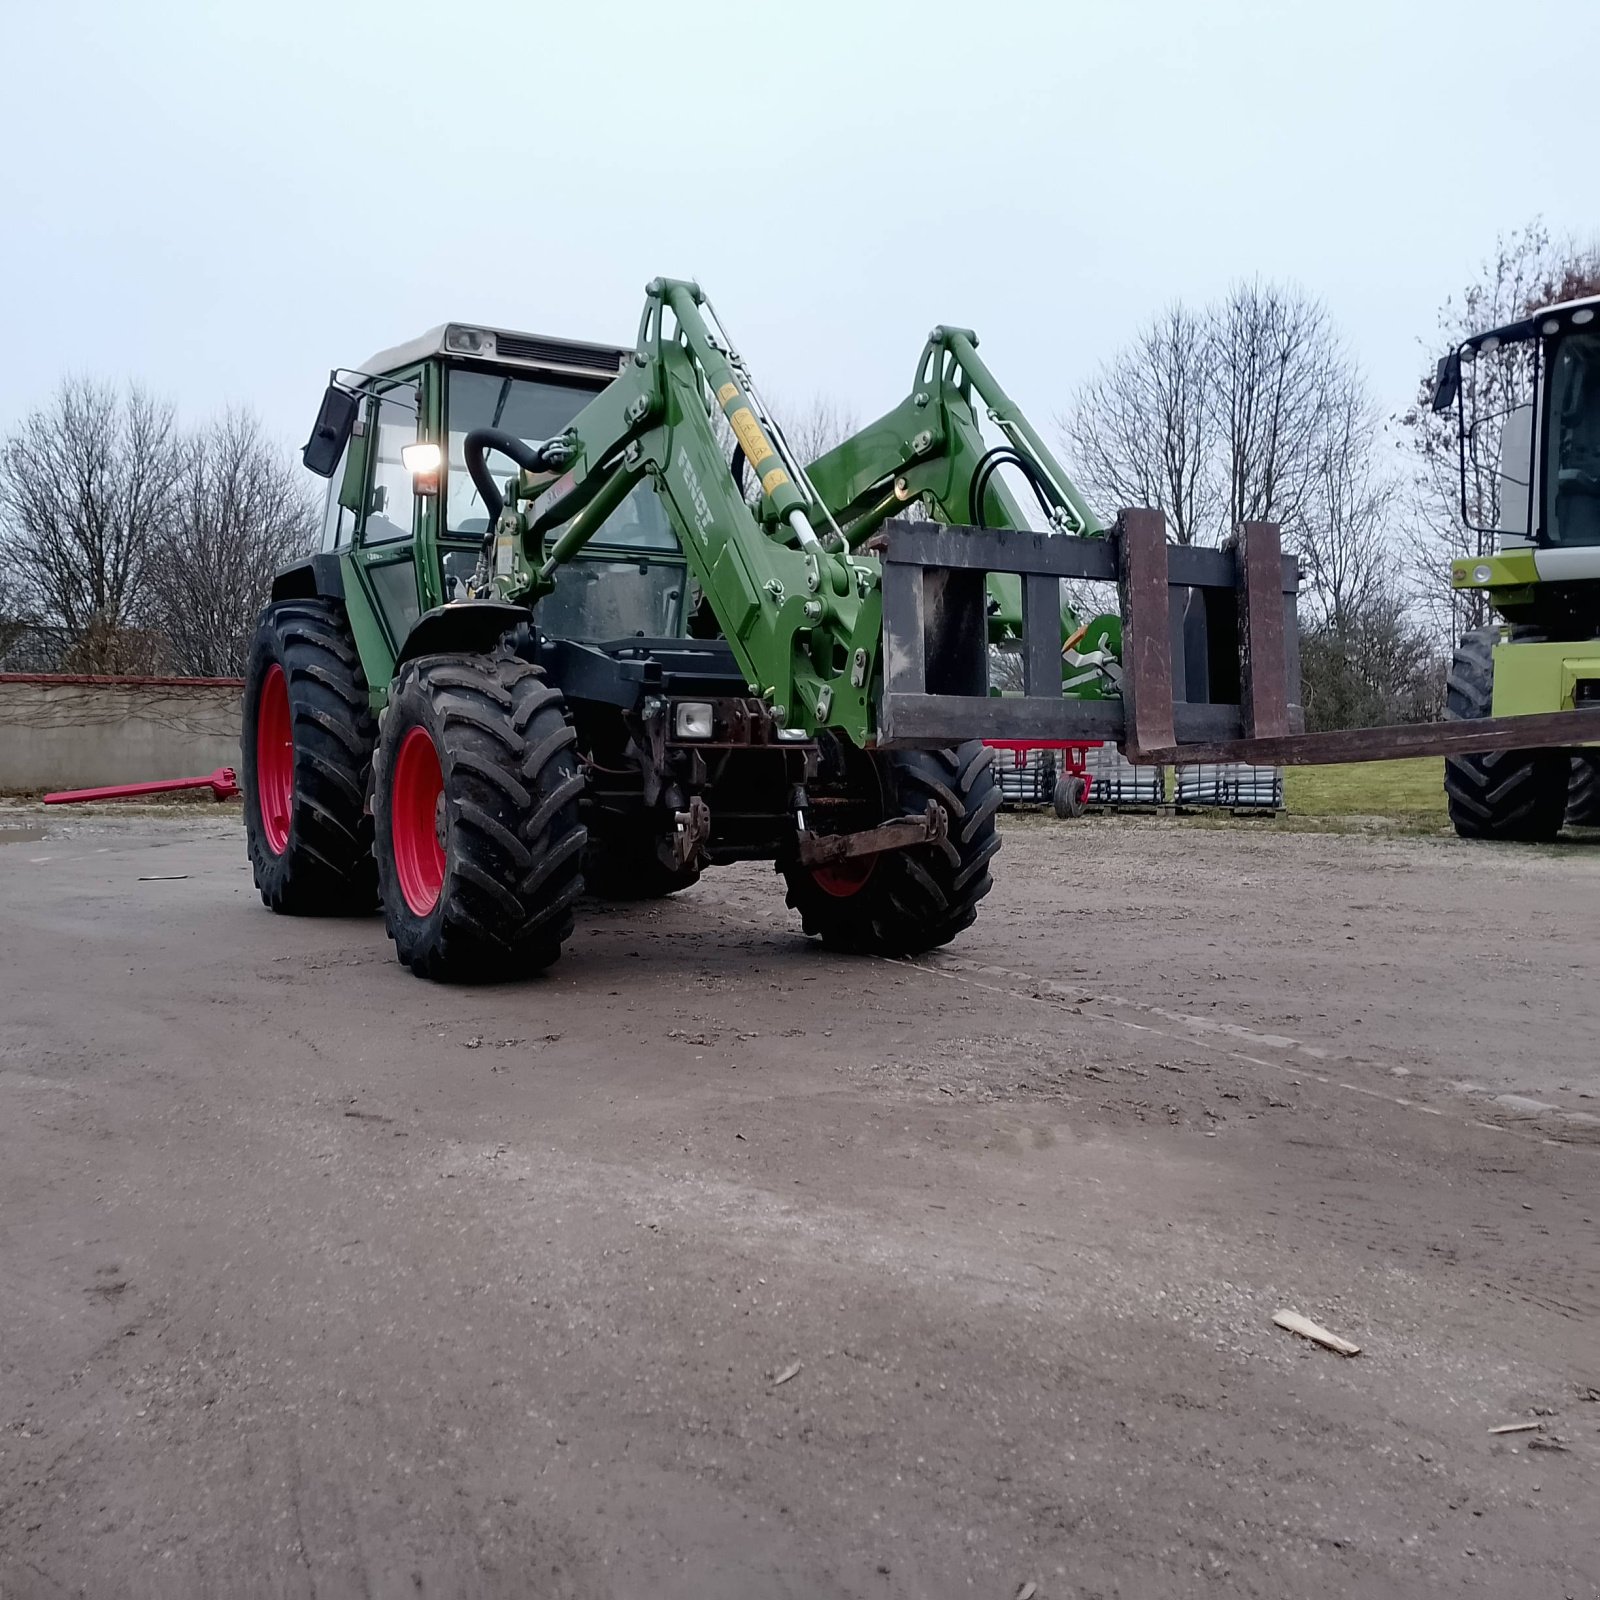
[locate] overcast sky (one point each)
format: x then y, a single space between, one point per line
223 200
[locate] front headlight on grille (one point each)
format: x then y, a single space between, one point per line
692 719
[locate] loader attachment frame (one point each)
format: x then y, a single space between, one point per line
1210 652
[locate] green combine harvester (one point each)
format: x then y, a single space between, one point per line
580 616
1543 577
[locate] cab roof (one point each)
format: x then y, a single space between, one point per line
1547 320
476 341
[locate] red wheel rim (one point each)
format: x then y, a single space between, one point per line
845 879
416 821
274 759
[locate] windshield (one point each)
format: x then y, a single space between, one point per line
532 410
1572 473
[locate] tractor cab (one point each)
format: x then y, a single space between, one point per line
404 514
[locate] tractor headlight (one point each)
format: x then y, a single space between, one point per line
420 460
692 719
1482 573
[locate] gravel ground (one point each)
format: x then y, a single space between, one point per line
713 1265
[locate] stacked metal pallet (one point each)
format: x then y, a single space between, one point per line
1229 784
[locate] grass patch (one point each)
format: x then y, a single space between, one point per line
1409 791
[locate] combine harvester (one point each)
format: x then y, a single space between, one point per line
625 658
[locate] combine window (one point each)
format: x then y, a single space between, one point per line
1572 471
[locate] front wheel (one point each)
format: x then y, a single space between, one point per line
902 902
479 845
1514 795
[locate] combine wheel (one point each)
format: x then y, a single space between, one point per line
305 756
478 841
905 901
1516 795
1583 791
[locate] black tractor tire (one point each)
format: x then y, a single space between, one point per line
1071 797
617 869
305 763
902 902
1583 792
1512 795
479 846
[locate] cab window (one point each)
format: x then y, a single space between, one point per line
391 506
532 410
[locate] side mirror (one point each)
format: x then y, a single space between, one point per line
1447 382
379 503
331 431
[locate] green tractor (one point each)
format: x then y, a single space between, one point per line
581 618
1538 513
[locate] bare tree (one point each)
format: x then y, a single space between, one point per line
1252 410
238 511
1215 417
14 617
1347 559
1139 433
83 488
1278 372
1527 270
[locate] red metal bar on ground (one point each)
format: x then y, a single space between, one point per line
223 784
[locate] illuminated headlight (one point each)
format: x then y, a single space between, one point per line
1579 318
692 720
421 460
1482 573
470 341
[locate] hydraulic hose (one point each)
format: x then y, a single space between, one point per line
476 446
988 465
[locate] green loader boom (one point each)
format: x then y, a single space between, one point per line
783 562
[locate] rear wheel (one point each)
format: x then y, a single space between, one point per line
305 758
901 902
1518 795
476 800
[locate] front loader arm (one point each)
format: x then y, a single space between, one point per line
797 600
804 621
931 447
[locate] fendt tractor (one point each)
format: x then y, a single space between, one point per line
1543 575
558 635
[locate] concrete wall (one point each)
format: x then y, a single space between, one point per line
78 733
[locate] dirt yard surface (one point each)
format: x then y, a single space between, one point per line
713 1265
